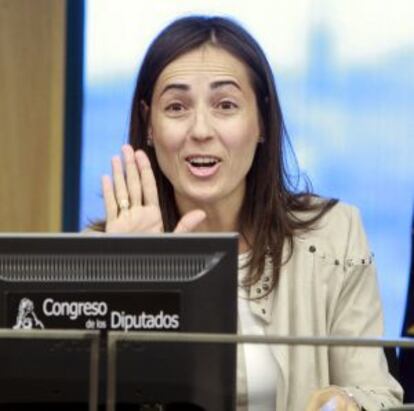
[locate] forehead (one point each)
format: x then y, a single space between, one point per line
207 61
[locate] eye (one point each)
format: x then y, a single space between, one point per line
175 108
227 105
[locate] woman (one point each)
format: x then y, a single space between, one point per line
206 153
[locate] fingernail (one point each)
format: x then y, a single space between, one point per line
329 406
141 157
127 151
202 214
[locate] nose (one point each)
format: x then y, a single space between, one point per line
202 127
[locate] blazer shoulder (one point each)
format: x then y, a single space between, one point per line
339 233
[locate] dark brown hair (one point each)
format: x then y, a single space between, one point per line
269 215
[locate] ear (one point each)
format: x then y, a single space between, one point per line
145 111
260 138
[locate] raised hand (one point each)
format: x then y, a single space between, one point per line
332 398
131 198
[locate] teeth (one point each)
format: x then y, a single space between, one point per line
203 160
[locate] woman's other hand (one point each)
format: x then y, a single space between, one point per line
131 198
332 398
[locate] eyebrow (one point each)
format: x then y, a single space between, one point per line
214 85
222 83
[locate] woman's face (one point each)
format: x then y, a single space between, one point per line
204 124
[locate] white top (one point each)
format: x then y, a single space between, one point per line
258 371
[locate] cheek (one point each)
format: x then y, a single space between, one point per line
241 142
241 136
168 143
168 137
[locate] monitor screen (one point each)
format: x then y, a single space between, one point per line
165 282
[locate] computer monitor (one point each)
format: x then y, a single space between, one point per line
162 282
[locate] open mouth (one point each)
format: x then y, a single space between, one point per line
203 166
202 161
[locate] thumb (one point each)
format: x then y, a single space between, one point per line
190 221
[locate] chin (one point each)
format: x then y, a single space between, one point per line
202 197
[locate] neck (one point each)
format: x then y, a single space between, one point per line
222 216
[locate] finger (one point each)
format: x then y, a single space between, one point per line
319 398
330 405
328 399
111 207
149 185
121 193
190 221
132 177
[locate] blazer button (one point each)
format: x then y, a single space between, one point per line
312 248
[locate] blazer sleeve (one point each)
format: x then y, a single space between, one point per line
361 371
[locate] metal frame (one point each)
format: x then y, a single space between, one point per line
93 336
139 337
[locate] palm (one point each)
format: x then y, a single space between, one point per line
138 219
131 199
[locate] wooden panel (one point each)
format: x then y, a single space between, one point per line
32 44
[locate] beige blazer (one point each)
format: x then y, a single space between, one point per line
328 287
